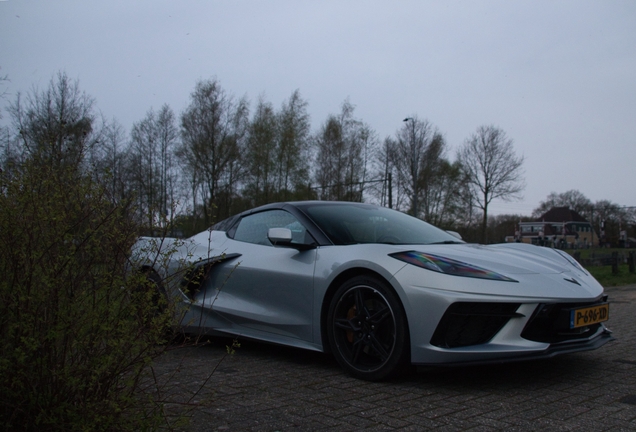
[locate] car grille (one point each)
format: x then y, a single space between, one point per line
550 323
468 323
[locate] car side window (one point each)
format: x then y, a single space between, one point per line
254 228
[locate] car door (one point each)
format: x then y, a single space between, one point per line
268 289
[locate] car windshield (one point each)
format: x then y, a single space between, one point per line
360 223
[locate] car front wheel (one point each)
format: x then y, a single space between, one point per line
367 329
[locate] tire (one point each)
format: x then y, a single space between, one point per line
150 282
367 329
155 312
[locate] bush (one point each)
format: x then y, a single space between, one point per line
77 335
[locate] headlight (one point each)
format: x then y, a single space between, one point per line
448 266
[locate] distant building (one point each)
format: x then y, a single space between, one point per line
558 227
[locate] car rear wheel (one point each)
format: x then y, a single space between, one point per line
150 291
367 329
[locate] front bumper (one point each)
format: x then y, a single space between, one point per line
487 339
602 337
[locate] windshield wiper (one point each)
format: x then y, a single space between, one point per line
447 242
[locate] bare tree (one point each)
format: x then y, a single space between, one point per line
292 151
3 93
426 180
442 199
492 169
382 166
261 154
168 136
212 129
112 162
5 134
416 152
611 218
329 145
57 124
572 199
501 226
10 152
153 145
342 146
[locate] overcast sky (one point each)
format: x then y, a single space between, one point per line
559 77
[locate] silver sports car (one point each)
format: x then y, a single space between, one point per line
379 289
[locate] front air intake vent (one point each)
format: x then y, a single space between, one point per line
550 323
466 324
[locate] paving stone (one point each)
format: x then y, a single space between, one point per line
266 388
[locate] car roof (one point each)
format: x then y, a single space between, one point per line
295 207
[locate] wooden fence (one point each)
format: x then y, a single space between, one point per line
609 259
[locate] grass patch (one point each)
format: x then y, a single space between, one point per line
596 252
604 275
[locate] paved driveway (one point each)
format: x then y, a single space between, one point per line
268 388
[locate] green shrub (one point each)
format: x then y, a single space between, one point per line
77 334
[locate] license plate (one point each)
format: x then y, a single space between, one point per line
589 315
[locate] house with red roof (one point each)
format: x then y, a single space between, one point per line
558 227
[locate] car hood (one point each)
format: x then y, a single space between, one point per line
505 258
538 271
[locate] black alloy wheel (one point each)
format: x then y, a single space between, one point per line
367 329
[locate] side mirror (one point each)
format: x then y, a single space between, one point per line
283 237
279 235
455 234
